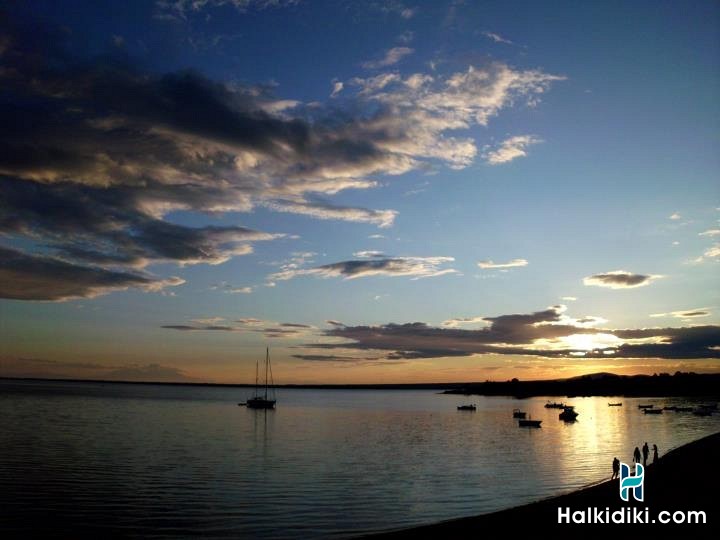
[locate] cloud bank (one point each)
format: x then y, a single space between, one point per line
98 157
548 333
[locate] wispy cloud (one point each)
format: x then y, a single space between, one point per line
620 279
462 321
710 232
497 38
231 289
510 149
685 314
485 265
182 8
710 254
337 87
417 267
569 298
390 58
381 218
675 216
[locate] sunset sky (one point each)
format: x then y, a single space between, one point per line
379 191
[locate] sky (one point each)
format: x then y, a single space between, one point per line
381 192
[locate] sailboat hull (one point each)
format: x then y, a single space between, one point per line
260 403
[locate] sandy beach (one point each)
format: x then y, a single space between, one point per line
684 479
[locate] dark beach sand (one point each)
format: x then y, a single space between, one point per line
687 478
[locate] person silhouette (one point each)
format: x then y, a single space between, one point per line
646 452
655 453
636 455
616 468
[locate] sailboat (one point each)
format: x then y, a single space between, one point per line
261 401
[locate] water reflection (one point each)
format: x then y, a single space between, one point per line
187 461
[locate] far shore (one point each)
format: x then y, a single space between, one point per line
686 478
705 385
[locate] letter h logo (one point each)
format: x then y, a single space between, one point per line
634 483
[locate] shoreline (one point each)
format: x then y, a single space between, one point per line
694 385
686 478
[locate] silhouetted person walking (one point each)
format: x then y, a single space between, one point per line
636 455
616 468
655 456
646 453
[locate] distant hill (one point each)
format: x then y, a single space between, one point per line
602 384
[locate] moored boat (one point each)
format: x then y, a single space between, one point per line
568 414
517 413
653 411
614 404
554 405
261 401
529 423
467 407
646 406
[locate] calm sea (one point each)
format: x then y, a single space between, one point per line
164 461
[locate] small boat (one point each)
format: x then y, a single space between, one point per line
467 407
517 413
645 406
683 409
261 401
529 423
554 405
652 411
614 404
702 412
670 408
568 414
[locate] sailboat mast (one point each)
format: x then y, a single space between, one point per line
257 367
267 359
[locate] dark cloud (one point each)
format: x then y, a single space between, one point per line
328 358
95 153
267 328
207 327
36 277
620 279
536 334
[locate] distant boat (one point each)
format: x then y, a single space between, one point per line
529 423
614 404
261 401
670 408
683 409
517 413
568 414
554 405
645 406
653 411
467 407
